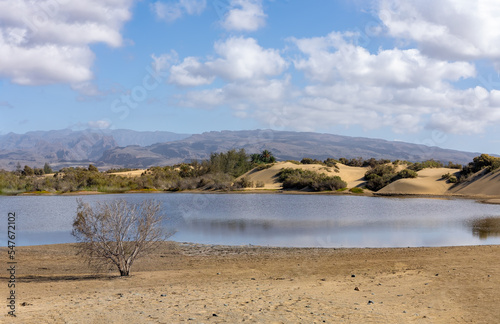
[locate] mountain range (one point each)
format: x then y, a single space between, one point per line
127 148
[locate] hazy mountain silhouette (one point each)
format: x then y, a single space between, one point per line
127 148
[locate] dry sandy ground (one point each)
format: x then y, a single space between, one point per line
428 182
129 174
186 283
487 185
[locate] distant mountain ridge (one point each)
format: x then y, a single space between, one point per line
126 148
283 144
71 148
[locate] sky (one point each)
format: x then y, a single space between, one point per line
423 71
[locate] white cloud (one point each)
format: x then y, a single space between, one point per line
242 58
238 59
244 15
87 89
240 95
171 11
400 89
446 29
332 58
190 73
48 42
164 61
99 124
193 7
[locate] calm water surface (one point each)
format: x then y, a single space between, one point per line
277 220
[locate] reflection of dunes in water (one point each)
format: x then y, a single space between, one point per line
486 227
243 225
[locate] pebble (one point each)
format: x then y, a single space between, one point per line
353 276
370 302
356 288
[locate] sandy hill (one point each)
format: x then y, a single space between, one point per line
428 182
130 174
480 185
352 175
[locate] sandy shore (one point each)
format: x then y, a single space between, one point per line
215 284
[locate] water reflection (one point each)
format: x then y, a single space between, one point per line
486 227
278 220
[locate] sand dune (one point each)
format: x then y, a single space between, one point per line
481 185
352 175
129 174
428 182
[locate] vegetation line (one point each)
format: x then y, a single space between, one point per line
223 171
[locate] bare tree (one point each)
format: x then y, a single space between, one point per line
118 233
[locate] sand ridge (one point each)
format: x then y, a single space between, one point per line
428 182
352 175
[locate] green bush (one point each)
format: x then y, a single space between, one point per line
406 173
330 162
243 183
311 161
483 162
293 161
261 167
356 190
446 176
417 166
306 179
260 184
379 177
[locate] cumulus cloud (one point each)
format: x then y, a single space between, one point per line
334 58
446 29
191 73
406 89
238 59
402 89
244 15
240 95
171 11
345 84
48 42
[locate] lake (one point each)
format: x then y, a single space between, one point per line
277 219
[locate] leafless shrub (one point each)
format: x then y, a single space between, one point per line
117 233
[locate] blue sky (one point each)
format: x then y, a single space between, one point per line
417 71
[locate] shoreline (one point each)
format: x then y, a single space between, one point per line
487 199
186 282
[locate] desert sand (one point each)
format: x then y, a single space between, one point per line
189 283
484 185
129 174
428 182
352 175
